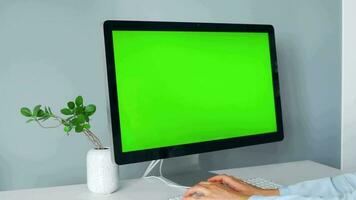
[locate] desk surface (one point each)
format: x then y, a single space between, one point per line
284 174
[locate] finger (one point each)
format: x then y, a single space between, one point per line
194 198
205 183
196 189
220 178
229 181
210 185
217 178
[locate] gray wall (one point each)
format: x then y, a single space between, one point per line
51 51
348 161
308 35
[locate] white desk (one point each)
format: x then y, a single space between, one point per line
137 189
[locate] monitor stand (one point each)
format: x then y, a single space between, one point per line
185 170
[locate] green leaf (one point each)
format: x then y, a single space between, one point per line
81 118
86 126
26 112
78 128
90 108
79 110
66 111
71 105
67 129
90 114
69 118
86 118
30 120
79 101
50 111
74 122
44 118
40 113
36 109
66 123
46 109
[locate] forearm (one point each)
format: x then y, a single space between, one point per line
335 186
327 187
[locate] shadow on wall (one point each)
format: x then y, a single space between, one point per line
43 179
71 171
5 173
33 170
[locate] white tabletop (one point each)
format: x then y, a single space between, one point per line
136 189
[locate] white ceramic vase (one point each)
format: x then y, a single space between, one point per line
102 172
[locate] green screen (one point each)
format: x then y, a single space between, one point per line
187 87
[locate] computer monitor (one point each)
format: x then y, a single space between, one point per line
177 88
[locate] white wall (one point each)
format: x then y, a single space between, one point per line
348 158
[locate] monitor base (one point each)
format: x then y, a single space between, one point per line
189 178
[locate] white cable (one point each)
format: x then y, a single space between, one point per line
161 177
150 167
160 168
167 183
153 165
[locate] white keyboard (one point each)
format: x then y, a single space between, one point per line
176 198
262 183
258 182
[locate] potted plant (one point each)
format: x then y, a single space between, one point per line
102 174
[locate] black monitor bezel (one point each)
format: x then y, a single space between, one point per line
186 149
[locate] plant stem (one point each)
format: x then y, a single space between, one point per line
59 119
41 125
94 139
90 135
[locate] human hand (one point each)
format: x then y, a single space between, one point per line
213 191
242 187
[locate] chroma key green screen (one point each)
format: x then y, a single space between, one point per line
177 87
